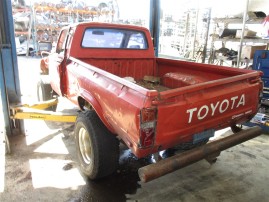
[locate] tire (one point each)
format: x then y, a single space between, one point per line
45 93
97 148
31 52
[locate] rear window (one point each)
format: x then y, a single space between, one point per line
114 38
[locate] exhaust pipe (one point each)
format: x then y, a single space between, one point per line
165 166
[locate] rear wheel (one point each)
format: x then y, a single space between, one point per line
97 148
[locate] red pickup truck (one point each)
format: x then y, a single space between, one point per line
127 94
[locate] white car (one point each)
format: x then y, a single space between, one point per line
22 48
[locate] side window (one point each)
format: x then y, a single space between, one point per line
137 41
61 41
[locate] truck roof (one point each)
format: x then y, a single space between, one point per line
108 25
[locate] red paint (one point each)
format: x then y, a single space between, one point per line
200 96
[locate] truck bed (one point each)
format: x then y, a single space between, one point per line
171 74
190 97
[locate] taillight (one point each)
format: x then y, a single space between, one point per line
147 126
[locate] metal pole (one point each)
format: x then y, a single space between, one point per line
155 23
9 76
186 33
195 33
4 45
4 118
9 56
242 34
32 31
207 35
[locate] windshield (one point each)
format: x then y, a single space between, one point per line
114 38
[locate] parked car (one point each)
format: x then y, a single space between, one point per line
23 46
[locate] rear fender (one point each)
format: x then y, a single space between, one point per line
88 97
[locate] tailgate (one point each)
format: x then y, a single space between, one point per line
213 105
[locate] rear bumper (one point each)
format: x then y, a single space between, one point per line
208 151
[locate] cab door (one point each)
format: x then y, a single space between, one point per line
57 64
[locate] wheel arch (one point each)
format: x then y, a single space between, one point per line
87 99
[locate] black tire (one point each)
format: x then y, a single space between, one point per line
31 52
45 93
97 148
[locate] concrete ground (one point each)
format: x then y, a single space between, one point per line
42 167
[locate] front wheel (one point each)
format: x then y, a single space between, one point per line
97 148
45 92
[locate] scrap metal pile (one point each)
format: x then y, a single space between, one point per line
47 18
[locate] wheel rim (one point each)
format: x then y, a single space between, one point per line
85 145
